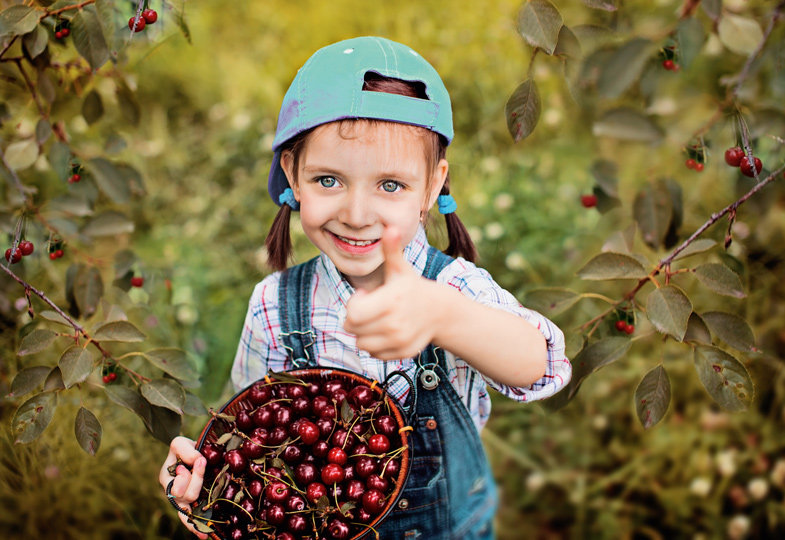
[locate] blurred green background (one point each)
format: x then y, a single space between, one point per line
586 471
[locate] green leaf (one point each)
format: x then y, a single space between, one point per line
89 38
75 364
131 400
652 396
567 44
193 405
27 380
35 42
32 417
606 174
739 34
109 180
123 261
697 331
624 67
36 341
129 105
597 355
118 331
59 158
43 130
165 425
612 266
109 223
88 289
720 279
653 212
724 378
72 204
698 246
18 20
164 393
46 87
605 5
551 301
523 110
731 329
691 37
20 155
713 8
172 361
539 23
92 107
87 429
627 124
54 381
668 309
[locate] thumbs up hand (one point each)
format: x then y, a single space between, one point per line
396 320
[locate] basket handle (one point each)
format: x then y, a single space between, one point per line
176 506
409 410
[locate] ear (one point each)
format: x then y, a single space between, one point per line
287 164
437 181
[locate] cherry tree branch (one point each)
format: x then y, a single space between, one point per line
66 8
775 15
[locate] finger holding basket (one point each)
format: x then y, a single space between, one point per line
182 482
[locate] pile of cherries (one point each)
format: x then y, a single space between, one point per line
308 456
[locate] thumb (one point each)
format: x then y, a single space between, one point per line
394 263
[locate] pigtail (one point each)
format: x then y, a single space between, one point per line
279 241
460 243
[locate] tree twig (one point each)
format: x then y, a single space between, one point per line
775 15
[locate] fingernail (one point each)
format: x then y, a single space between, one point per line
201 462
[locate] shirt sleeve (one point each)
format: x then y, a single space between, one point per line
478 284
259 349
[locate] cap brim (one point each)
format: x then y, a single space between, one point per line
276 182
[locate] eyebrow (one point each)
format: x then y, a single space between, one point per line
329 170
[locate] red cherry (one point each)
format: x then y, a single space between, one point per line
308 432
305 473
373 501
336 455
355 490
320 449
277 491
252 448
690 163
292 454
391 468
65 32
137 281
361 396
212 454
699 167
365 466
375 481
276 514
621 325
332 473
629 328
140 22
746 166
236 461
255 488
338 530
26 247
379 443
53 255
263 417
385 424
259 393
733 156
59 34
105 378
589 201
668 64
243 421
74 178
13 256
150 16
112 376
58 253
297 523
315 491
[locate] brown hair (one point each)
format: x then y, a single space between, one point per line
279 243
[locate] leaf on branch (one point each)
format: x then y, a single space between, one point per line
46 88
87 429
713 8
109 179
72 204
627 124
109 223
92 107
597 355
75 364
606 174
652 396
621 241
697 331
731 329
43 130
165 424
523 110
739 34
653 212
27 380
539 23
691 37
18 20
567 45
724 378
612 266
668 309
33 416
36 341
54 381
605 5
698 246
118 331
174 362
624 67
193 405
59 158
592 36
551 301
129 105
36 41
89 38
164 393
720 279
131 400
88 287
20 155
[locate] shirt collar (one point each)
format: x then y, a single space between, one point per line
415 252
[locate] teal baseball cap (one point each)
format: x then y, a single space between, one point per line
328 87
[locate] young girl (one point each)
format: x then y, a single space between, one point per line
360 152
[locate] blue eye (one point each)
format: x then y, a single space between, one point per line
327 181
391 186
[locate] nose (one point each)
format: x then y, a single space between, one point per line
356 209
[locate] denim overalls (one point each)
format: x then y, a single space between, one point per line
450 492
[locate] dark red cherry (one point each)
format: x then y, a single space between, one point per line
338 530
331 386
283 417
305 473
355 490
365 466
376 482
249 506
339 437
391 468
385 424
361 396
277 491
296 523
332 473
363 516
315 491
232 489
296 391
336 455
263 417
308 432
301 405
236 461
255 488
212 454
292 454
296 503
379 443
276 514
325 426
252 448
244 421
320 449
339 396
276 472
373 501
277 435
260 393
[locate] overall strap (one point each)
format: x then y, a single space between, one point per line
432 356
435 263
294 312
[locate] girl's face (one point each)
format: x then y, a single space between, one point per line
350 187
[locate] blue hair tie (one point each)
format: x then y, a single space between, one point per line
287 197
447 204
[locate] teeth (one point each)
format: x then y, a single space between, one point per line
356 242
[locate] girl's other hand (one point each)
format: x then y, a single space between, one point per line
187 483
395 320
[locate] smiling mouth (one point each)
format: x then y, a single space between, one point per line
353 242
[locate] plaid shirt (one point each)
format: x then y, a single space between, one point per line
261 349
